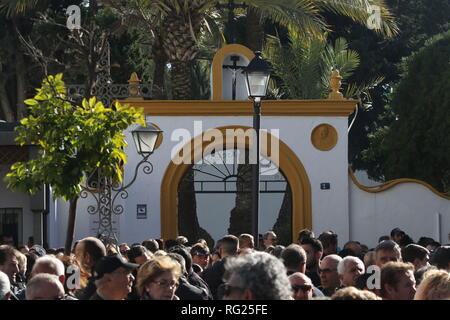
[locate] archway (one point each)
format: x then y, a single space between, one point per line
288 163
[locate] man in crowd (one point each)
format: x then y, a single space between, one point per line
269 239
246 241
151 245
314 251
294 259
349 269
397 281
397 235
227 247
9 264
200 255
302 286
44 286
355 248
113 278
50 265
186 290
387 251
187 271
88 252
441 258
329 276
256 276
329 242
303 234
417 255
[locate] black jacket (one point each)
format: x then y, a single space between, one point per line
88 291
187 291
213 276
198 282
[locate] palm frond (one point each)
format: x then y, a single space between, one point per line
361 11
301 15
12 8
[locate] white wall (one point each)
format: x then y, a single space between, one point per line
410 206
9 199
330 207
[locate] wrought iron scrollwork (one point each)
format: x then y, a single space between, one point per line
105 192
104 88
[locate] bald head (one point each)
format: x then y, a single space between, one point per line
332 259
301 286
44 286
88 251
50 265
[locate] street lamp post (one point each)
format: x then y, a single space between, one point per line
105 191
257 75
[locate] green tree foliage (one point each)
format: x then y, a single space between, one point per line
74 140
177 25
304 66
416 145
417 20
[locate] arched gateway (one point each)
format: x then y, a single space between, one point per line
287 162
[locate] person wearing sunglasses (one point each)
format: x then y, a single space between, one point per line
302 287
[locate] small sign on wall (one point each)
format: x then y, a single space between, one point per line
325 186
141 212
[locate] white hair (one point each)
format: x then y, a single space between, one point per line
5 286
38 282
51 262
342 264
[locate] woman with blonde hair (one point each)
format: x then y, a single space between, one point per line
158 279
434 286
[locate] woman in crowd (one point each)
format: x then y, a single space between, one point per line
157 279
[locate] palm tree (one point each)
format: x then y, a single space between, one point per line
178 24
304 66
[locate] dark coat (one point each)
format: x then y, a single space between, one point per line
198 282
86 293
187 291
95 296
213 276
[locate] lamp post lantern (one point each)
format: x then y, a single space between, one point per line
257 75
145 139
105 191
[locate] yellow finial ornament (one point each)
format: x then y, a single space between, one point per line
335 82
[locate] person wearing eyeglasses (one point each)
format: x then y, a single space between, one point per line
114 278
45 286
302 287
329 277
158 279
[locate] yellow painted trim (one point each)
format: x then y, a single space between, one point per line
389 184
178 108
217 64
289 164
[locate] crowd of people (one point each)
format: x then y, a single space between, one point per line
235 269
